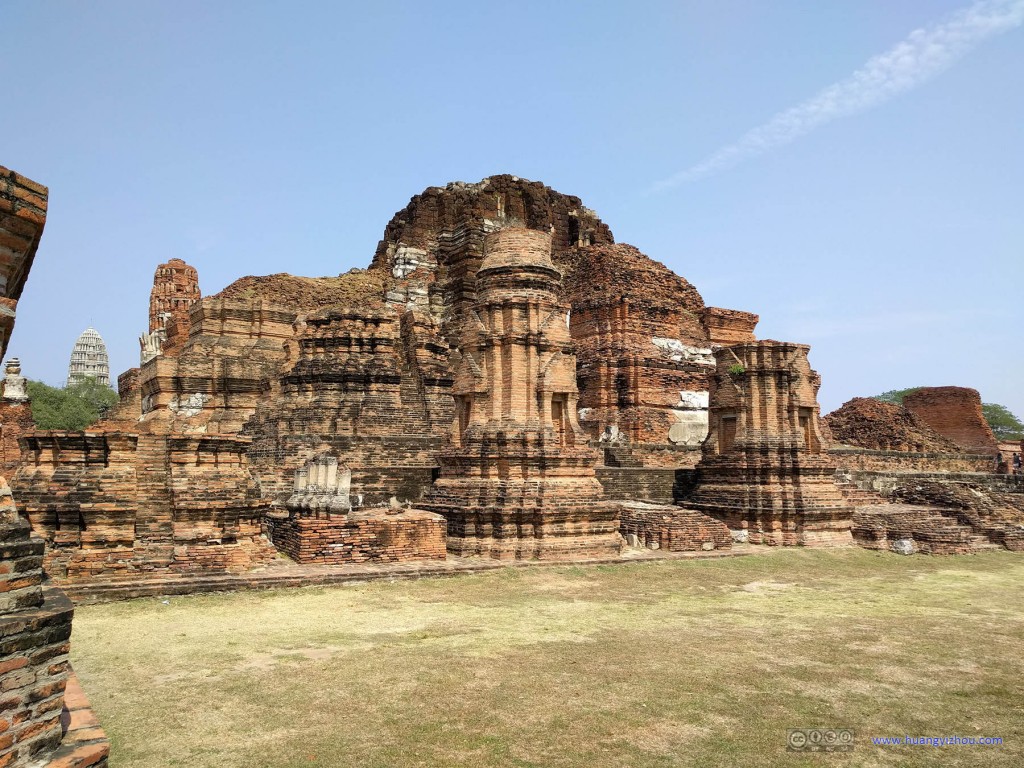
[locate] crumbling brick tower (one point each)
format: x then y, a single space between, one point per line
175 290
517 480
764 470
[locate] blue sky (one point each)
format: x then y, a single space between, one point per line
253 137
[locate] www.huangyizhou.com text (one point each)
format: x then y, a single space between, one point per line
937 741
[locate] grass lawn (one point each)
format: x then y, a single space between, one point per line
648 664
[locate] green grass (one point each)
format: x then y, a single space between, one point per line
660 663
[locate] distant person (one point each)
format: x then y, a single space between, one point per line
1001 468
1016 463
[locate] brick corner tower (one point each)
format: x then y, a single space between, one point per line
765 468
517 478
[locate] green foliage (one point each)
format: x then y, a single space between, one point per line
737 370
71 408
1005 426
895 395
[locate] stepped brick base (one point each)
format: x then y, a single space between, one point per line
906 529
524 534
371 536
659 526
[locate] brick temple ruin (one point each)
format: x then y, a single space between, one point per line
503 381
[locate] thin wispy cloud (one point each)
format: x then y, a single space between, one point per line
923 54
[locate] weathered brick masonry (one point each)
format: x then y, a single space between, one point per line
35 620
671 528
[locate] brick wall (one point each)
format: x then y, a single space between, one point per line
116 502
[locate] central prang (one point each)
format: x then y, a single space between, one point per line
517 477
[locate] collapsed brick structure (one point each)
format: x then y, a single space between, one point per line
518 479
870 423
644 351
15 417
360 367
765 471
175 291
657 526
955 413
320 525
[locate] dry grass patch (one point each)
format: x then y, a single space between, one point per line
648 664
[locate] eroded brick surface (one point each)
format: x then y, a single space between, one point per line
670 528
869 423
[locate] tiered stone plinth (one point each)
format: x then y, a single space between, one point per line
764 471
520 494
518 480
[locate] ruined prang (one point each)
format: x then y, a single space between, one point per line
765 471
518 480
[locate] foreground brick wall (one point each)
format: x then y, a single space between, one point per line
35 628
955 413
23 205
375 535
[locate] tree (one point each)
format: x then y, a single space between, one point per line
1005 426
72 408
895 395
99 397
